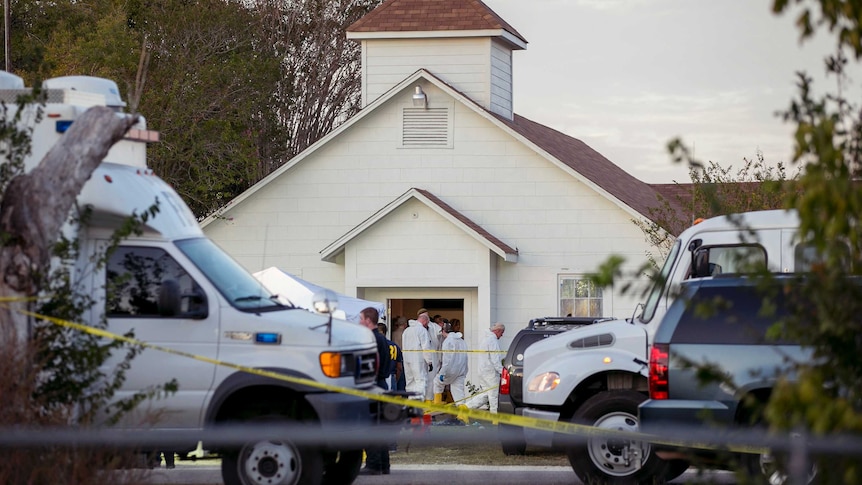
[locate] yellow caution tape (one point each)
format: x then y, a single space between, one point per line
458 351
477 414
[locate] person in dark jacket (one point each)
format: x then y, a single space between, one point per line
397 381
377 456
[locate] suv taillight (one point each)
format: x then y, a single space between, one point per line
504 381
658 361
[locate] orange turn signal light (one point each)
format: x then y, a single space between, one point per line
330 363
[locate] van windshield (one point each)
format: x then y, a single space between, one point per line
240 288
658 288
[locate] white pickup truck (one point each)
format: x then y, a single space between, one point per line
597 374
175 288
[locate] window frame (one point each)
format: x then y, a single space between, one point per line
590 298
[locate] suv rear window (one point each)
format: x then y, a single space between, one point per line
526 340
730 315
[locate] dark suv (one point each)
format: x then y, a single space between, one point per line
719 323
511 390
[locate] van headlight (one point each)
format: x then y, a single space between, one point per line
544 382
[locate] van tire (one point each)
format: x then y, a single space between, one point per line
602 460
284 463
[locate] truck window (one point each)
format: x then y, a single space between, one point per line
738 258
134 279
660 285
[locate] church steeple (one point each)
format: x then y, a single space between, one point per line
463 42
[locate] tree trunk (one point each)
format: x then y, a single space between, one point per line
37 204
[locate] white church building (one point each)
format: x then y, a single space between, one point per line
437 194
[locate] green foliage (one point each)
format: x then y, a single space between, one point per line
235 92
826 397
211 92
841 18
16 135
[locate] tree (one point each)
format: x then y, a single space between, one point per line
51 378
320 67
826 398
235 93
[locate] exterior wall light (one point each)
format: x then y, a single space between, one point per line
419 98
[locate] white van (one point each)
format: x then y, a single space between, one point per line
175 288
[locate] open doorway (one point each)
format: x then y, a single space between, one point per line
452 309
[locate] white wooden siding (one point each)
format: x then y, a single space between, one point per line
558 224
464 63
501 80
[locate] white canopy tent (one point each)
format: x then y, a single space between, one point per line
301 293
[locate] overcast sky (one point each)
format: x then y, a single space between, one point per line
626 76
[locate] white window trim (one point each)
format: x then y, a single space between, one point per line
578 276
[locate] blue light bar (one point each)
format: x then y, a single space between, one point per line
63 125
267 338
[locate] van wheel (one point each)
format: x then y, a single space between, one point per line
614 461
342 467
272 462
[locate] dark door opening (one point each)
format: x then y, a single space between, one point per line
450 309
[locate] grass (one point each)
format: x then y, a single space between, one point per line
468 446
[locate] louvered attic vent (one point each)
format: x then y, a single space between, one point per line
423 127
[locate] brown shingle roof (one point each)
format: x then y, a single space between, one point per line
431 15
638 195
468 222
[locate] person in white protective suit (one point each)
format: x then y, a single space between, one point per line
417 355
453 371
436 338
490 367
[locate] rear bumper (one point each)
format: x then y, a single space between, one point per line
656 415
538 437
505 404
659 417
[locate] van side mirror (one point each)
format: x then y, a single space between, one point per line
171 301
169 298
198 306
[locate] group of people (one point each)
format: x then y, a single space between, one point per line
423 359
436 356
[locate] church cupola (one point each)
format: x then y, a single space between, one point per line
462 42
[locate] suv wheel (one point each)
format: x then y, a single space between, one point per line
513 440
614 461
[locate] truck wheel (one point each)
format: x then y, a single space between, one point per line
342 468
513 440
614 461
272 462
767 469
